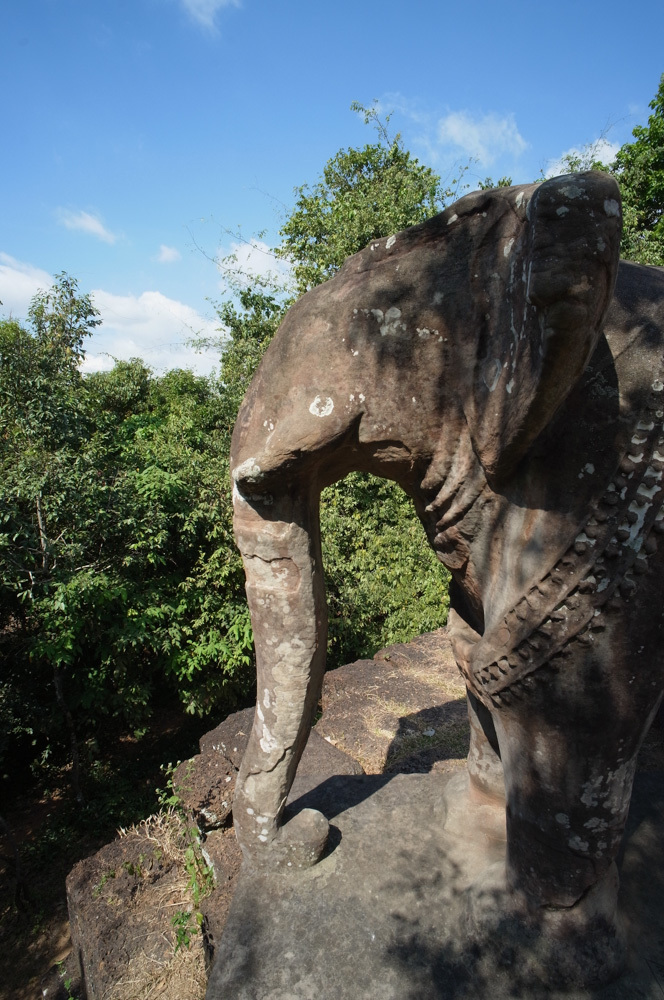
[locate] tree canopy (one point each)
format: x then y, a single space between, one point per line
639 167
363 194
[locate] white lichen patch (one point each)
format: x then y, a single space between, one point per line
491 374
572 191
634 540
562 210
268 742
236 496
249 470
389 322
507 249
597 824
590 791
612 208
321 406
452 219
577 844
563 819
391 240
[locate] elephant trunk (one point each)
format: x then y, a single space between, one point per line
279 540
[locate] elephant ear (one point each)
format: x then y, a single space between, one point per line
552 278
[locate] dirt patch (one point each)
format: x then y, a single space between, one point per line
132 912
405 710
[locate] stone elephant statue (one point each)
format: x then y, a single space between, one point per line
502 365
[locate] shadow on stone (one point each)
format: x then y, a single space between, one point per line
434 736
386 912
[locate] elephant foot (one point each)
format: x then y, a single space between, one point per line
576 946
299 843
473 828
472 813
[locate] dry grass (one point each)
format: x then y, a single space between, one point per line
451 737
182 977
167 830
182 974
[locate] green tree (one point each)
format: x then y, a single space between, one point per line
119 580
362 195
639 167
43 425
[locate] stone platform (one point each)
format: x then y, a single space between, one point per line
382 916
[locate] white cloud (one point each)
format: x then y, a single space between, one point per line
86 223
18 283
205 11
455 135
247 261
167 255
601 150
148 326
484 138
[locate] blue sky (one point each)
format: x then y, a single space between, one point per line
141 136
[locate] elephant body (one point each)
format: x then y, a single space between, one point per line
501 365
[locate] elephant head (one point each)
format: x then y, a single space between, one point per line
435 357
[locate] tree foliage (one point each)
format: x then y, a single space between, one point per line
363 194
119 579
639 167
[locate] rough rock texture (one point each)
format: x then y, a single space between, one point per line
122 918
121 900
387 916
120 903
206 783
405 710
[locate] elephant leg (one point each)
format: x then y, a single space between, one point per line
569 744
281 553
569 751
485 768
474 800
